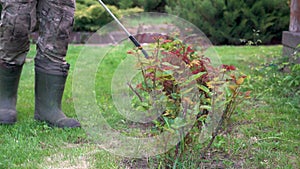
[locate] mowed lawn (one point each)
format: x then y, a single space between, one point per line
265 131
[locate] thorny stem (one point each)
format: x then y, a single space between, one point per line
215 133
155 68
135 92
156 60
154 78
232 105
145 80
144 75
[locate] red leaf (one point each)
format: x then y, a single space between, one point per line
167 41
229 67
189 50
130 52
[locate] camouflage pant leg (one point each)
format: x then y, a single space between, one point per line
55 24
15 25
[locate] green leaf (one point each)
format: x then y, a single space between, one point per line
209 108
192 78
170 65
178 123
203 88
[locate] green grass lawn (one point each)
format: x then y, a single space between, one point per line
265 131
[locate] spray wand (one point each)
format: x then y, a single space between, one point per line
131 37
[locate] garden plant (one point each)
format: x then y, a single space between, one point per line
169 76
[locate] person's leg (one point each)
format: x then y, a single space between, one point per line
9 81
51 70
15 25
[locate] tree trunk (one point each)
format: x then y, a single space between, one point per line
291 38
295 16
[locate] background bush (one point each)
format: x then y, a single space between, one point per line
91 18
147 5
228 21
90 15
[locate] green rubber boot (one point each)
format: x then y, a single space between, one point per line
9 82
48 95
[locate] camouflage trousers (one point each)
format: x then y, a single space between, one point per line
54 20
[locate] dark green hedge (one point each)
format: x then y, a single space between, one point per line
229 21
